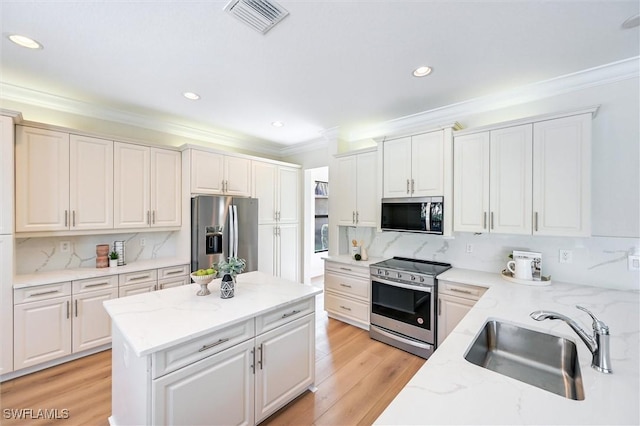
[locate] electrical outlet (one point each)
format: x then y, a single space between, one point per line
469 248
566 256
633 263
65 246
142 242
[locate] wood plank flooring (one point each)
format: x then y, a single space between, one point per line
356 379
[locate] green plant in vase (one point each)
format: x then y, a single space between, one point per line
229 269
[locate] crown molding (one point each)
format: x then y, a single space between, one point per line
300 148
592 77
60 103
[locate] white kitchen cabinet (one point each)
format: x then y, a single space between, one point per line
492 177
347 294
6 174
356 191
91 325
454 302
147 188
218 174
279 248
173 276
137 282
414 166
6 304
63 182
562 176
278 189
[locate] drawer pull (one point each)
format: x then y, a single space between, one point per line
295 311
459 290
96 284
139 277
211 345
175 271
345 269
345 285
345 308
42 293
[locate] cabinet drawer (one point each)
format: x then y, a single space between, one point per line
173 282
138 277
41 292
348 284
344 306
344 268
461 290
173 271
169 360
131 289
283 315
90 284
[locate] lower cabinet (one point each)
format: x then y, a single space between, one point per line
347 295
454 302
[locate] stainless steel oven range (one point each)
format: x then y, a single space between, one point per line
403 303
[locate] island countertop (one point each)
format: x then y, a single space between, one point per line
157 320
450 390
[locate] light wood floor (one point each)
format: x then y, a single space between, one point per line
356 378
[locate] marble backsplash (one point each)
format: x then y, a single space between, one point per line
597 261
45 254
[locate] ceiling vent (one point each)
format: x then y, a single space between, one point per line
261 15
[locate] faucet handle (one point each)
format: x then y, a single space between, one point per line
598 326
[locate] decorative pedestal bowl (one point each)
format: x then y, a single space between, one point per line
203 280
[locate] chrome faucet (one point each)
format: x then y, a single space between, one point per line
598 344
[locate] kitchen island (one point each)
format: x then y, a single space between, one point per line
450 390
179 358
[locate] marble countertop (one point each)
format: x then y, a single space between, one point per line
158 320
347 259
450 390
62 275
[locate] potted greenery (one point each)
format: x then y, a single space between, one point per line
113 259
229 269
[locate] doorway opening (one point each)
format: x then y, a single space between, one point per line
316 223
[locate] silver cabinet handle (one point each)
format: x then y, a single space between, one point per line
439 307
73 216
260 357
96 284
357 217
345 308
345 269
295 311
535 220
458 290
67 309
491 220
353 217
66 218
139 277
148 217
153 217
253 360
76 303
407 186
42 293
413 186
175 271
484 220
345 285
211 345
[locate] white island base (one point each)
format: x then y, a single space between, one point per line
238 361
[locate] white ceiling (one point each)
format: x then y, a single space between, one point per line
329 64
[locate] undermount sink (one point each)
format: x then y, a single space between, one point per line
539 359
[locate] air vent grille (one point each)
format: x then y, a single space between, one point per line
261 15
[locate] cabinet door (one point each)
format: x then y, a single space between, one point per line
131 186
288 252
471 183
510 184
6 304
237 176
91 325
451 310
218 390
562 176
42 180
267 249
166 188
207 172
6 175
345 190
265 178
285 364
90 183
427 164
397 168
288 195
367 201
42 331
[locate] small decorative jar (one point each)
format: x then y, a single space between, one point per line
228 286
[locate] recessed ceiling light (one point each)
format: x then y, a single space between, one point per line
277 124
632 22
191 95
24 41
422 71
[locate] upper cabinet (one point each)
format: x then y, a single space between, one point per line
414 166
6 174
63 182
218 174
147 186
531 179
278 189
356 191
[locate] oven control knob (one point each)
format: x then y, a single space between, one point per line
398 275
413 278
379 271
421 279
386 272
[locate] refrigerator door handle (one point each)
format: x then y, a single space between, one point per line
235 230
232 236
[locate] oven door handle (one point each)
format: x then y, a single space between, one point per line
401 339
407 286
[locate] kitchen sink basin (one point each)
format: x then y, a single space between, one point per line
539 359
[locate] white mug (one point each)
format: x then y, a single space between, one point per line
520 268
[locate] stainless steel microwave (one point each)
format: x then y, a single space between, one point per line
423 214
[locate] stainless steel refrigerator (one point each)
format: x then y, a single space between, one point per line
223 227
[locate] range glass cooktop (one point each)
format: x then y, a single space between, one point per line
416 266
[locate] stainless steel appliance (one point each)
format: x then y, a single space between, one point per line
223 227
420 214
403 303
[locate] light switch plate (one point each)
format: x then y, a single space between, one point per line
633 263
